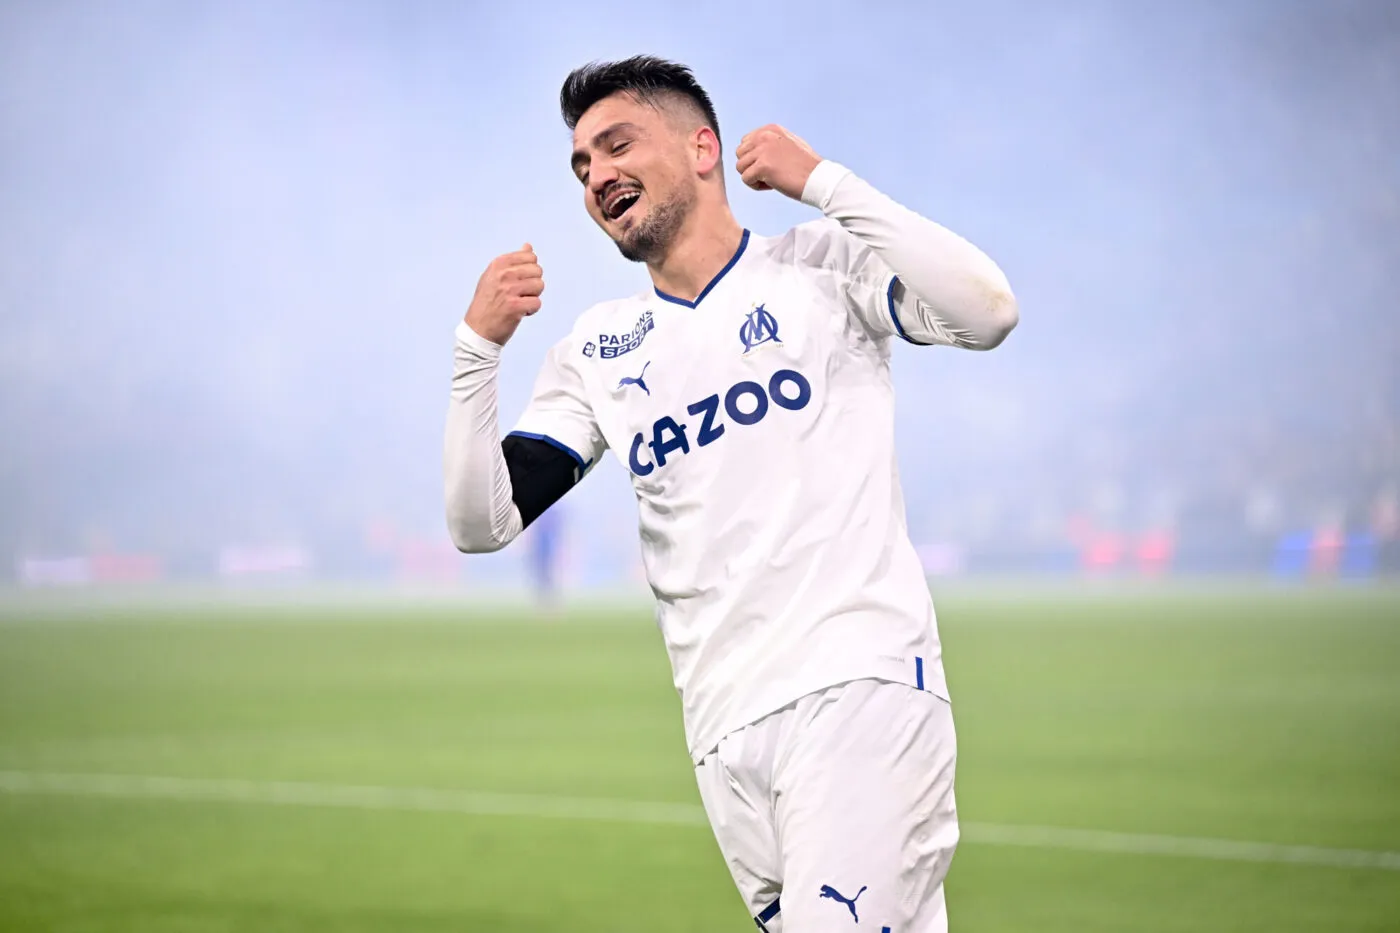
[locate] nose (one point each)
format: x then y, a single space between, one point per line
601 174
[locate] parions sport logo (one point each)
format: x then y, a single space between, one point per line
611 346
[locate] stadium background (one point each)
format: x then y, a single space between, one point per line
1162 521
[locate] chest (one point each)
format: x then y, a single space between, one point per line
667 381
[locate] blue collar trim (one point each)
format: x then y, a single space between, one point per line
743 243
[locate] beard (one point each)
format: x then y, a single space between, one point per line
650 239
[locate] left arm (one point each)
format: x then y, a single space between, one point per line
942 289
956 294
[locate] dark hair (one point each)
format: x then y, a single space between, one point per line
645 76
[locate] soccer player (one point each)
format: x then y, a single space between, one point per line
748 395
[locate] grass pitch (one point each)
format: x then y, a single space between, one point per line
1266 717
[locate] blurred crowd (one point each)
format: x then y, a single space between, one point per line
1161 480
234 244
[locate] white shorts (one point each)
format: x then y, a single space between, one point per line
836 813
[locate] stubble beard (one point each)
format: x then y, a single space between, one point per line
651 238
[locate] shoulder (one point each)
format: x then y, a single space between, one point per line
817 245
618 315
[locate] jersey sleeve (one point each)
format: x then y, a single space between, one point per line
559 412
864 283
902 274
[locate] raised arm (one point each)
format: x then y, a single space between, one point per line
494 488
932 285
944 289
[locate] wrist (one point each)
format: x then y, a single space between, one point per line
468 338
822 183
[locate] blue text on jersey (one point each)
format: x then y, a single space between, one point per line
611 346
787 389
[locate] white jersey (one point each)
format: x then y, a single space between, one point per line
757 426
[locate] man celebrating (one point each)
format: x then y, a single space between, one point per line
748 394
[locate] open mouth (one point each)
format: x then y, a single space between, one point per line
620 203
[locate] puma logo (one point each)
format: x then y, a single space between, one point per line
639 380
835 895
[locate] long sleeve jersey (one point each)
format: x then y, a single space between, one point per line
757 425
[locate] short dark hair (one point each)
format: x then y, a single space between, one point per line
646 77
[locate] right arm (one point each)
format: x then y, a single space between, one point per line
494 489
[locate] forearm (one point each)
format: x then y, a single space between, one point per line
481 514
963 297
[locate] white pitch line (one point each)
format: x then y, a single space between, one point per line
1229 850
287 793
428 800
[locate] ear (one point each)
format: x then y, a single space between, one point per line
705 150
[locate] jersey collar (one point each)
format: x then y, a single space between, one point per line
743 242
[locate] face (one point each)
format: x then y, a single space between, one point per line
638 181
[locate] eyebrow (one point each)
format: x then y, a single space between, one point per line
580 157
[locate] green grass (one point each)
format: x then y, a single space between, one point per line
1266 716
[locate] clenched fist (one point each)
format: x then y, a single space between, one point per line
507 291
772 157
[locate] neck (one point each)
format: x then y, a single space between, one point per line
702 247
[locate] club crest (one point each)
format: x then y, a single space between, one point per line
759 327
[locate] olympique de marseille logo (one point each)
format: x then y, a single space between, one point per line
759 327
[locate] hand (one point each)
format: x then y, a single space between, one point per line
507 291
772 157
